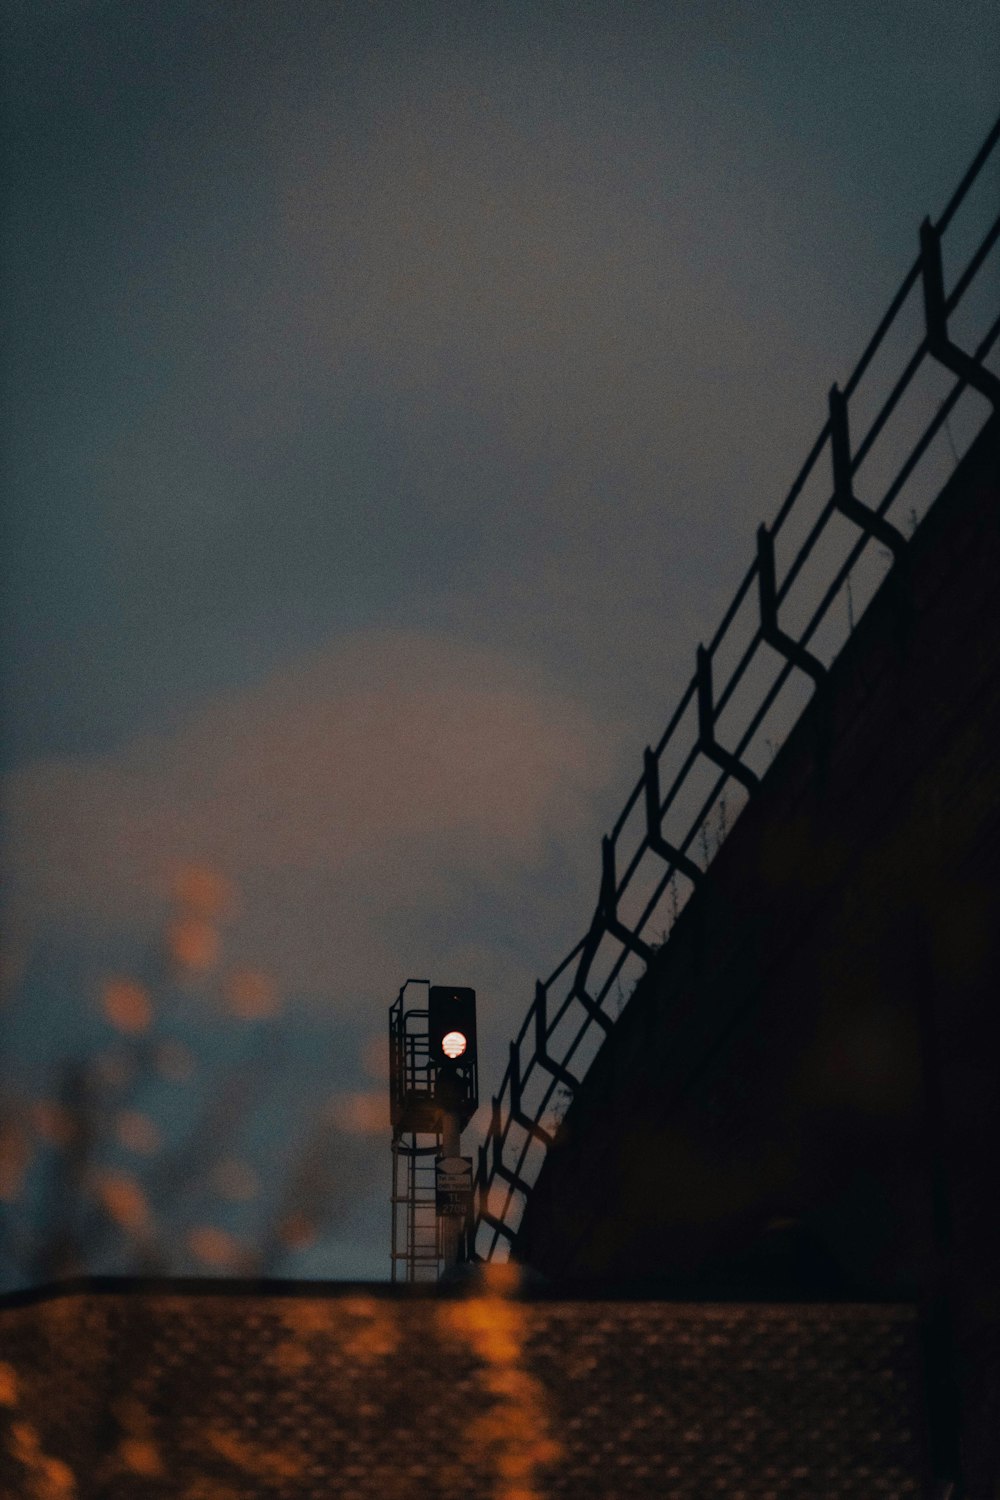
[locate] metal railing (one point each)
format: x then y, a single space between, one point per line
816 567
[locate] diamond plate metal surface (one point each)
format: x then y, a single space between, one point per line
214 1395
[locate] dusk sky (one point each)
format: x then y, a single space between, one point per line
391 393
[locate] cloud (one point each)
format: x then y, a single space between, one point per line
349 800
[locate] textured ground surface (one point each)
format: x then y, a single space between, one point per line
211 1395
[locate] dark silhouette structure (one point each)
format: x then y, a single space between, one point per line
799 1098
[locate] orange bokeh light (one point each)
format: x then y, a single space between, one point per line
123 1199
15 1154
127 1005
212 1246
141 1456
202 892
137 1132
297 1232
53 1122
193 943
250 995
235 1180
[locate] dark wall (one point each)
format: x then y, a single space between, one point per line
803 1093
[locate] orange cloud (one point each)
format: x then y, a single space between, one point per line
362 1113
354 790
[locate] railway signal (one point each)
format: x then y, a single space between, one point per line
434 1093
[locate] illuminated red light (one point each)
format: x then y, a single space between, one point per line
453 1043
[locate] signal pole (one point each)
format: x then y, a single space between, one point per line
451 1223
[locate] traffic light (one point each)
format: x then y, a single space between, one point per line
452 1024
452 1040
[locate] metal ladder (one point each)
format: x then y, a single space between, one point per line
416 1228
416 1232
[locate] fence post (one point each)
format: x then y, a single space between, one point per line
707 742
939 344
770 629
558 1071
844 498
609 905
654 823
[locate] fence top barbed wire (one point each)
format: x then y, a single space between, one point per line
843 547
